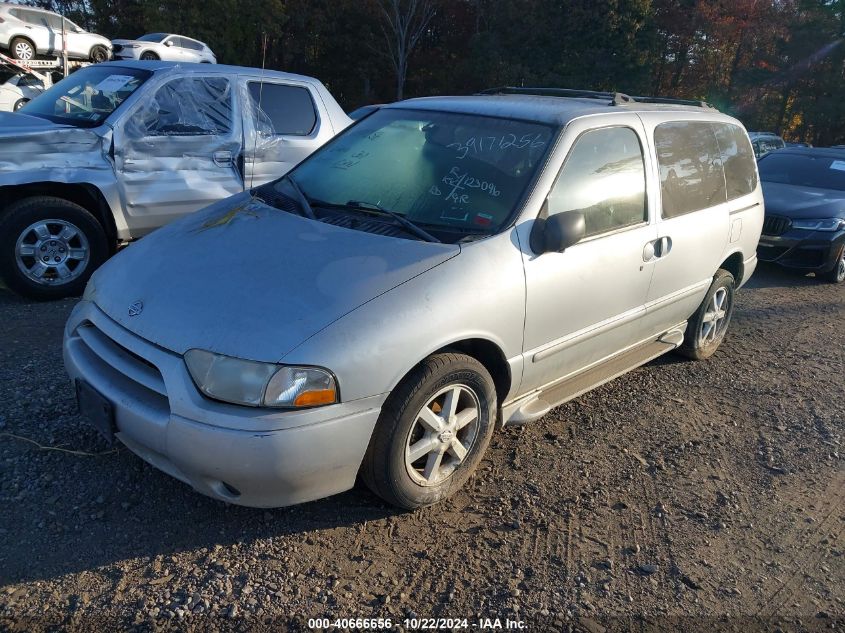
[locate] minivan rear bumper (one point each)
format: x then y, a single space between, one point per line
242 455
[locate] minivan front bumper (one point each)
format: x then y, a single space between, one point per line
246 456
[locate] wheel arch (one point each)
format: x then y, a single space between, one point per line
21 36
85 195
485 352
734 264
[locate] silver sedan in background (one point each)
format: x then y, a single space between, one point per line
164 46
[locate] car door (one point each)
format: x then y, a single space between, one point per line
694 219
584 304
79 43
282 126
175 151
172 49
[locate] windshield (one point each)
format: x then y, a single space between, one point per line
152 37
88 96
448 171
823 172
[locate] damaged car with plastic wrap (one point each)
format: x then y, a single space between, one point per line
442 267
119 149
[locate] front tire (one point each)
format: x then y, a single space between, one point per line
707 327
99 54
149 56
19 104
432 432
837 274
22 49
49 247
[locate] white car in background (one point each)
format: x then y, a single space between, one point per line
17 90
166 47
26 32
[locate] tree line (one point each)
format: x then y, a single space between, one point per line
779 65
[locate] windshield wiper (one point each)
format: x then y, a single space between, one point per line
370 207
307 210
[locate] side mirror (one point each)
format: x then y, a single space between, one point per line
169 43
558 232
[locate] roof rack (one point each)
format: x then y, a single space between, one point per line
616 98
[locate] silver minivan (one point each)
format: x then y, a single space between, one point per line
443 267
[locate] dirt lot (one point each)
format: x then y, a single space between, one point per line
710 489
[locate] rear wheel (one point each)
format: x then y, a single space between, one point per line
49 247
432 432
22 49
99 54
837 274
707 327
149 56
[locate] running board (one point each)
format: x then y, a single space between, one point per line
540 403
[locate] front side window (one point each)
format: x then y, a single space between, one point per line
604 178
185 106
691 174
280 109
446 171
737 159
87 97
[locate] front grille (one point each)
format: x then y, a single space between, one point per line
775 225
122 365
117 48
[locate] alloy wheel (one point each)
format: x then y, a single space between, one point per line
715 317
23 51
52 252
442 435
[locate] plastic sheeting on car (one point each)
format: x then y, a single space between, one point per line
185 106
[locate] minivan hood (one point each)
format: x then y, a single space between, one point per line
247 280
30 141
798 202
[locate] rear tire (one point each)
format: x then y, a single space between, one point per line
420 454
707 327
49 247
837 274
22 49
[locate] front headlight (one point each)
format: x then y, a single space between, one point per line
826 224
131 46
257 384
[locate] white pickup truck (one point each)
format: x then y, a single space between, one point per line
121 148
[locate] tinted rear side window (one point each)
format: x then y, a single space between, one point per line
691 175
737 159
284 109
604 178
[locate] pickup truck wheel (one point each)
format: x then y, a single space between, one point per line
99 54
707 327
432 432
22 49
49 247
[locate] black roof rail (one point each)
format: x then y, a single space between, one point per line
616 98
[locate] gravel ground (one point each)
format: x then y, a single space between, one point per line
687 495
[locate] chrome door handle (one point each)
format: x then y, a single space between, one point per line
222 158
655 249
664 245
